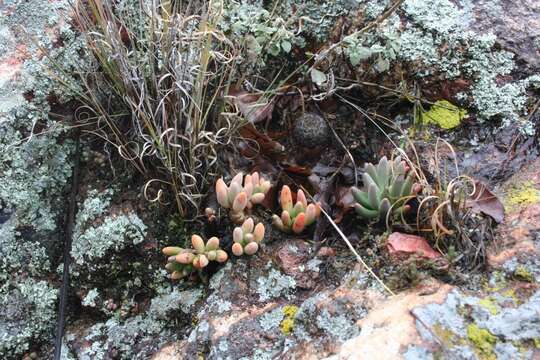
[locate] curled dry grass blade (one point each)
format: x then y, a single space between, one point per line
161 70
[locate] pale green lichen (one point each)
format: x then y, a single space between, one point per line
27 315
444 114
142 335
490 304
90 299
113 234
482 340
274 285
521 195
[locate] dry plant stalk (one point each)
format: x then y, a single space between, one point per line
157 89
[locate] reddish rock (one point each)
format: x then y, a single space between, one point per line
326 251
405 245
293 257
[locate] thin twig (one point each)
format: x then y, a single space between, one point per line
349 245
70 219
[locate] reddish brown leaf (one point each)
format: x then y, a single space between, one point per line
484 201
266 145
252 106
404 245
344 200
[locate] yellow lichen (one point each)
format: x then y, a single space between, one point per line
489 304
522 273
522 195
444 114
536 343
287 324
511 293
446 336
483 341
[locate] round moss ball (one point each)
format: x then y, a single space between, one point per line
311 130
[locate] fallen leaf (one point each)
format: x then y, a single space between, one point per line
484 201
252 106
265 145
400 244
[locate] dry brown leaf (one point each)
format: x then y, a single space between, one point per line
484 201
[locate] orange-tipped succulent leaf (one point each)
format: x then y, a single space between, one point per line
258 232
248 225
172 250
212 254
212 243
299 223
237 249
286 218
200 261
184 258
277 222
285 198
251 248
300 197
240 202
237 179
222 193
198 243
311 213
257 198
238 234
255 178
221 256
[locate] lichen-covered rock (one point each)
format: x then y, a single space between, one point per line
27 315
139 336
35 166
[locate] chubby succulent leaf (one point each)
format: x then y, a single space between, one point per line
366 213
299 223
370 176
361 197
222 194
386 188
396 188
384 207
251 248
374 196
384 169
407 186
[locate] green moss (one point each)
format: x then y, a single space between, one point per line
287 324
490 304
482 340
444 114
522 195
524 274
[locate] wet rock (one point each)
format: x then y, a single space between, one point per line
515 23
311 130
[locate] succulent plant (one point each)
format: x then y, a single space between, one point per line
295 218
247 238
387 187
182 262
238 197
